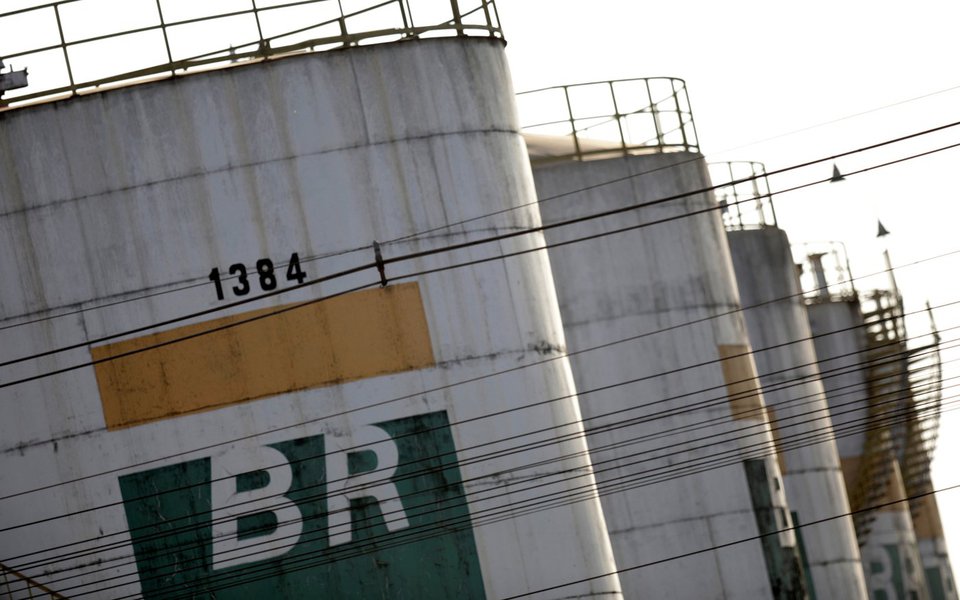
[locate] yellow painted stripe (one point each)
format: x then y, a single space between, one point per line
740 377
358 335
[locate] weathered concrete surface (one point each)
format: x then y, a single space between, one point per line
776 318
667 288
891 560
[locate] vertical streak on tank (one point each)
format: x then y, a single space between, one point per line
779 331
863 375
682 449
364 446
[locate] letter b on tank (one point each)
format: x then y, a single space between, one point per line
350 515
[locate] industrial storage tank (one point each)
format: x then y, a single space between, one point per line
675 420
863 377
779 330
209 427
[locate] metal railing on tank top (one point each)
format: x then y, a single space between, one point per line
745 199
72 47
605 119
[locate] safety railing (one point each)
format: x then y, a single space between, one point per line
824 272
15 585
745 199
79 46
604 119
912 378
926 379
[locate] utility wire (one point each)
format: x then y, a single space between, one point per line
717 547
420 234
413 275
648 377
823 434
472 380
509 235
676 431
530 505
767 444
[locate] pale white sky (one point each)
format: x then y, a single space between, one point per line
754 70
758 69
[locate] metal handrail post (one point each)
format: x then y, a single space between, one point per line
63 46
693 124
573 123
676 102
262 45
655 115
618 117
166 41
486 14
496 14
403 15
736 195
343 25
773 209
458 22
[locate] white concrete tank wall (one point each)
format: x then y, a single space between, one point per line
888 549
115 205
673 274
776 319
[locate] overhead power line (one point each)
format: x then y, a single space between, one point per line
483 260
511 510
473 380
402 277
199 282
504 236
534 405
717 547
645 418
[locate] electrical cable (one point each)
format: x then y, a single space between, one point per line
447 526
686 450
397 278
652 376
513 234
502 453
717 547
472 380
414 507
2 328
809 434
441 388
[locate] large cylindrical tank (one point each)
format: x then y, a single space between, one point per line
786 359
678 433
860 413
323 451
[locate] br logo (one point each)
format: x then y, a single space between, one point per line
378 513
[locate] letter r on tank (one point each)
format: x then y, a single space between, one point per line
343 486
229 505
